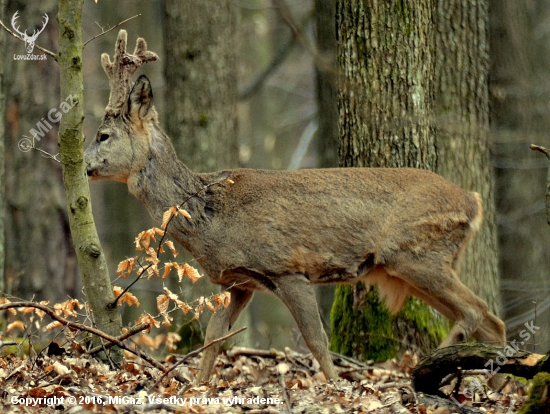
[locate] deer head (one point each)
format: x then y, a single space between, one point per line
122 140
29 40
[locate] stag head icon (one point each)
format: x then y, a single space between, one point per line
29 40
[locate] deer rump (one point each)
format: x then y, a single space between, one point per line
332 226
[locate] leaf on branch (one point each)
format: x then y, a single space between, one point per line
190 272
125 267
40 312
170 245
53 325
222 299
158 231
143 239
185 308
15 325
146 318
67 307
184 213
10 310
162 305
167 216
209 305
127 298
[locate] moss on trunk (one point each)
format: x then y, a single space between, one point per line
370 332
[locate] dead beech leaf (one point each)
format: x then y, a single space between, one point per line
173 211
184 213
53 325
6 301
127 297
149 320
67 307
222 299
125 267
16 325
191 272
170 245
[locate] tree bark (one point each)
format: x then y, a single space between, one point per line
201 82
201 104
97 284
40 260
386 94
462 120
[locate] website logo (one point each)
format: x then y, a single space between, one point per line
30 41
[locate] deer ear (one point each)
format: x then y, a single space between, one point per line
140 102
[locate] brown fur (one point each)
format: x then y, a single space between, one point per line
282 232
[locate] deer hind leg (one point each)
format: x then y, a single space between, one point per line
218 326
298 295
438 285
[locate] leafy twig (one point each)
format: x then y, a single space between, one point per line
144 269
82 327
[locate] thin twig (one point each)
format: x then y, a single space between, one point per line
194 353
46 51
108 30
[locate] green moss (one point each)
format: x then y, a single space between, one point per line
370 332
539 398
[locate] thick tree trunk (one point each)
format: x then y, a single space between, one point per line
385 54
97 284
201 103
462 120
201 82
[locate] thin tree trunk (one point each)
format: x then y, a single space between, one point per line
91 259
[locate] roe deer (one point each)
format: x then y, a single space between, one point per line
282 232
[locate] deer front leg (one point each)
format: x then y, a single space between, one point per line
218 326
298 295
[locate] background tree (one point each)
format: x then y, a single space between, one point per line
519 85
462 136
200 71
385 55
40 259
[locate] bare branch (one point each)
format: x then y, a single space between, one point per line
108 30
194 353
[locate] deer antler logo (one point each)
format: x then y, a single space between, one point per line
29 40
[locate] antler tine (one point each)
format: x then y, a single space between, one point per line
120 70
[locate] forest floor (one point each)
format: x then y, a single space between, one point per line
246 381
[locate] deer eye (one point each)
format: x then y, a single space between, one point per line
103 137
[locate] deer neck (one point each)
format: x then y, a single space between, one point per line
163 181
